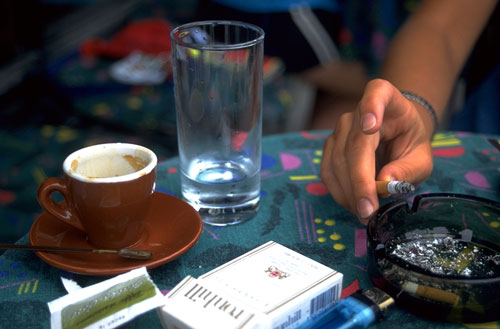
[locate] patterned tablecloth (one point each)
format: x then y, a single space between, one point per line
296 211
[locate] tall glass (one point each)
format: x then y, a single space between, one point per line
217 69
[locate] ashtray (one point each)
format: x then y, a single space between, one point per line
439 257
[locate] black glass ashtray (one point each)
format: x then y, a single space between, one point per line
439 257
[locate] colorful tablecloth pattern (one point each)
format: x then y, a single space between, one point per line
296 211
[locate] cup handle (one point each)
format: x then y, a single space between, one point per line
61 210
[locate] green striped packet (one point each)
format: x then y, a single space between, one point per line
107 304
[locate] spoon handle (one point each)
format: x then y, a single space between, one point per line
125 253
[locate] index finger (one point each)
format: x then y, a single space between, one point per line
377 96
360 153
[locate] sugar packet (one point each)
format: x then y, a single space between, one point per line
107 304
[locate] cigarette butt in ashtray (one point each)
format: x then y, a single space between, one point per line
431 293
394 187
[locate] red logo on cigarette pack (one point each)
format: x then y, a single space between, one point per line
274 272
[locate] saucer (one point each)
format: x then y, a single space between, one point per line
172 228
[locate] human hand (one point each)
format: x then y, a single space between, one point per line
387 137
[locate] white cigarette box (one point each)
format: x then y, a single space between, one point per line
271 287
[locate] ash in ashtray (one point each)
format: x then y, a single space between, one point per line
448 256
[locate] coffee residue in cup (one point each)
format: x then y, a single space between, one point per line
108 166
135 162
74 165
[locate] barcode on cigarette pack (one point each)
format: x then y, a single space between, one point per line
324 300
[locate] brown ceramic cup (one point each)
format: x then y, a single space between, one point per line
107 189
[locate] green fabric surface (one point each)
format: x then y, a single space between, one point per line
296 211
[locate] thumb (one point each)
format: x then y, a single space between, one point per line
415 167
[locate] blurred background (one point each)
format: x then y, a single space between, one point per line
80 72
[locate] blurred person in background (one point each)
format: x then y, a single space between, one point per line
332 45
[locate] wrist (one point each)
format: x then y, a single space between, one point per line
422 104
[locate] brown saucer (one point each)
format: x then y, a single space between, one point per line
172 228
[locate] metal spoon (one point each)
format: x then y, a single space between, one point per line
125 253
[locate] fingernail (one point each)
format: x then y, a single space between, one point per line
368 121
365 208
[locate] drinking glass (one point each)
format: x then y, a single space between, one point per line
217 70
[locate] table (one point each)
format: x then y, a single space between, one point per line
296 211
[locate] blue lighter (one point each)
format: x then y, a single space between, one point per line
359 310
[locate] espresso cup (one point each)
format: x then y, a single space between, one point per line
107 191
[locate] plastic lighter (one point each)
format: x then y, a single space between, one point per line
359 311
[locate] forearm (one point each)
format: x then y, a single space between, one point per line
431 48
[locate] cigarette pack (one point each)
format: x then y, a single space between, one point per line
270 286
